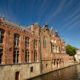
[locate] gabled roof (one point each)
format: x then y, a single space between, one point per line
11 24
27 29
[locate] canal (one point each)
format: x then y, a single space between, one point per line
70 73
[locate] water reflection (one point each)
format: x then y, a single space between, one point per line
71 73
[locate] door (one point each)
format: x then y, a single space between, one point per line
17 77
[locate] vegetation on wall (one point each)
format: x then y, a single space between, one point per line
70 50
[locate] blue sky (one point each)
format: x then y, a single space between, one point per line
63 15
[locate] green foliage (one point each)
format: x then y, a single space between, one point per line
70 50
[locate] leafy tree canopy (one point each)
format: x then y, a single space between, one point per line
70 50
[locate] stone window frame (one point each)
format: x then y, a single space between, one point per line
16 39
46 65
57 49
1 54
27 42
35 55
44 42
27 56
35 44
54 61
16 56
1 35
51 48
31 69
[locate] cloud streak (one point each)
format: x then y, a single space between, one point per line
69 3
43 9
73 26
58 10
73 14
67 25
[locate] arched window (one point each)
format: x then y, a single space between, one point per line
16 39
27 42
44 42
35 44
35 55
1 53
16 56
52 48
57 49
27 56
1 35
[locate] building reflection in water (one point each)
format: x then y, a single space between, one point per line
70 73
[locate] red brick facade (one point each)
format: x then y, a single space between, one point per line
32 44
54 55
8 46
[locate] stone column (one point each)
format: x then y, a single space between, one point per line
4 47
38 51
30 49
20 48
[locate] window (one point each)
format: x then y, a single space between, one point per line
46 65
1 53
53 35
57 61
35 55
44 42
57 49
54 49
60 60
16 56
31 69
10 49
27 42
1 35
35 44
16 40
54 41
54 61
26 56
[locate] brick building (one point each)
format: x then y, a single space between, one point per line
28 52
53 51
19 50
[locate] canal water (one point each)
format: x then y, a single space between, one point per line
70 73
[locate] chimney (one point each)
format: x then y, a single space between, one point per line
32 28
25 30
56 34
46 26
0 20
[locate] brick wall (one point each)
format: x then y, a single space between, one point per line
8 45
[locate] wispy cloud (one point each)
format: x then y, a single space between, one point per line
7 12
76 11
58 10
69 3
43 9
67 25
74 26
60 7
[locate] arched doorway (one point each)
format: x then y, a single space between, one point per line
17 76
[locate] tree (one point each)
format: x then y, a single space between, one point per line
70 50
